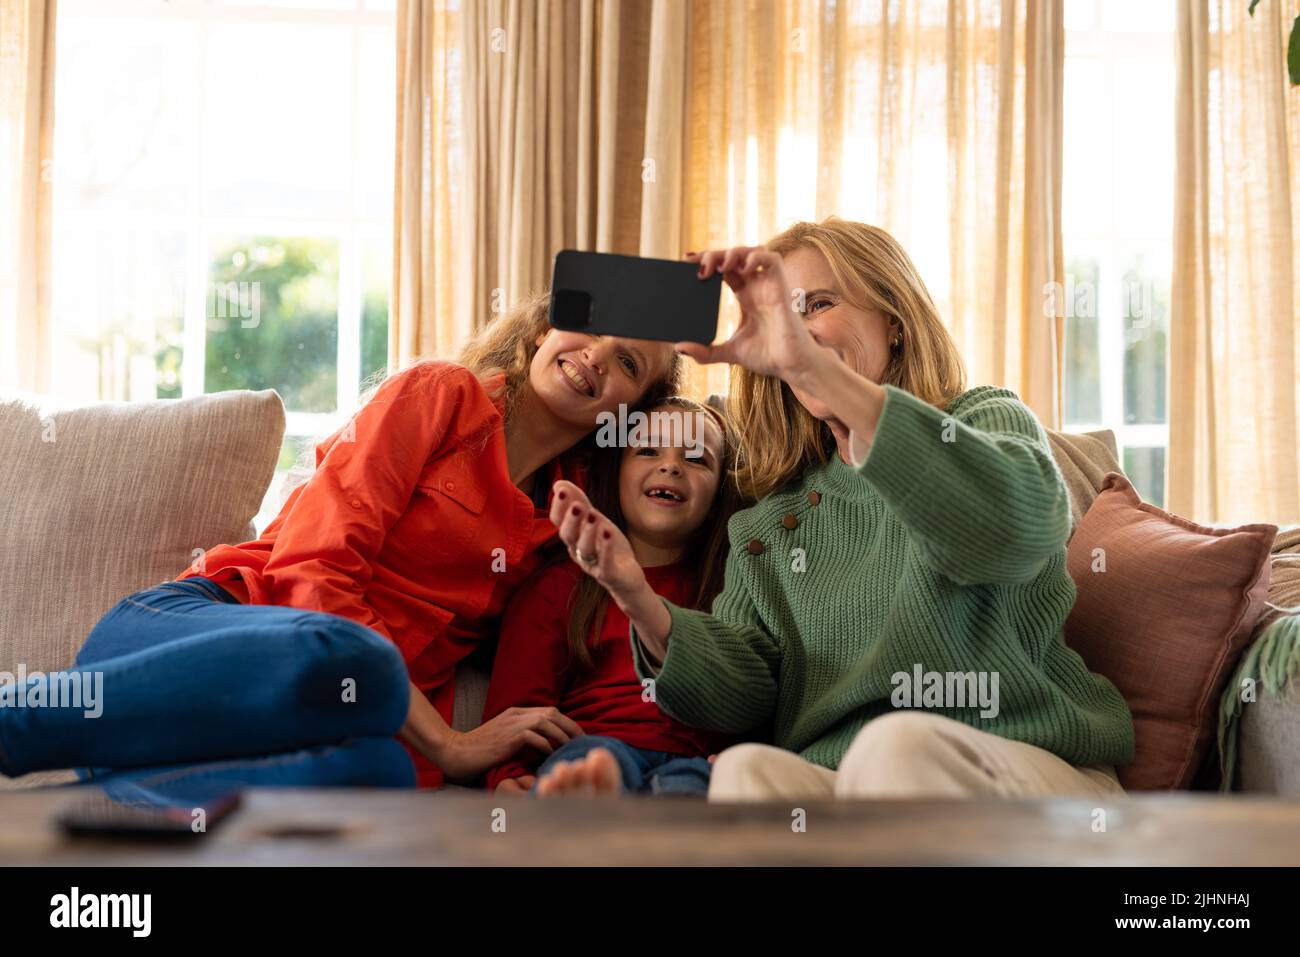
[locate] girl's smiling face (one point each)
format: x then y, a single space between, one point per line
578 376
666 491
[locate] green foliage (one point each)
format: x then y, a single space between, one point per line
1082 344
374 331
1146 334
1292 47
290 343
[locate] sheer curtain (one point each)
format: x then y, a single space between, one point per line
657 126
526 127
26 167
1234 348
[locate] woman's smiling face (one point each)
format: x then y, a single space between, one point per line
578 376
860 337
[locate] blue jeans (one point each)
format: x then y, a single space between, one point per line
202 695
644 771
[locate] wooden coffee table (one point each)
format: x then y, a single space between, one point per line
347 827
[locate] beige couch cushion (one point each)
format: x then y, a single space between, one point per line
104 500
1084 460
100 501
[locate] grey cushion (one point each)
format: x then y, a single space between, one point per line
1269 744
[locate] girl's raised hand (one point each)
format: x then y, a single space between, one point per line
597 545
771 338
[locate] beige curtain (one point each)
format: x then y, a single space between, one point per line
939 122
1234 347
658 127
526 127
26 172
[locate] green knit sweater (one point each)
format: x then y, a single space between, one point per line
944 552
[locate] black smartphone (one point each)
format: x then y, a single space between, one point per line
637 298
98 815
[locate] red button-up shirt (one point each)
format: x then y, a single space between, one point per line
410 525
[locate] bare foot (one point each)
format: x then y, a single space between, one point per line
595 773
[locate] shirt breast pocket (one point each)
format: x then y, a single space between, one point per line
454 508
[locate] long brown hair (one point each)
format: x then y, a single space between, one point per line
589 602
779 437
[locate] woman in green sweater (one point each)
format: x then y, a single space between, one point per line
894 602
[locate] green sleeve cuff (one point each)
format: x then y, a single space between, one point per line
645 665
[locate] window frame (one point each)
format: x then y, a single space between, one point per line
1113 249
352 231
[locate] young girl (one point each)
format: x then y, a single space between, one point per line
307 649
565 645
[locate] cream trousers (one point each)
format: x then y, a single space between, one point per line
909 754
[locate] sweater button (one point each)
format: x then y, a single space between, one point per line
449 486
789 521
814 498
356 503
755 547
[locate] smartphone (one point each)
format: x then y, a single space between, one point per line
101 816
633 297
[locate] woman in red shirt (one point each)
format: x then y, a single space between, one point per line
424 512
564 644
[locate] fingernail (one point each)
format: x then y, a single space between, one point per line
591 518
576 510
606 535
559 495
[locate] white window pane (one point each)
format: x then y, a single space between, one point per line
1087 145
291 4
276 123
127 145
377 79
1145 467
1139 15
1081 15
1144 143
119 303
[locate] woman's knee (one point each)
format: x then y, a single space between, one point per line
383 762
894 754
355 665
755 772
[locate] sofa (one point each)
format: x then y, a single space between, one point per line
102 500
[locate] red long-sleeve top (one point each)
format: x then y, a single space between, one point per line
410 525
532 668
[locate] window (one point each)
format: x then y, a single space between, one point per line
223 193
1117 221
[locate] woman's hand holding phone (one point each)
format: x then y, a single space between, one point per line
771 338
601 549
